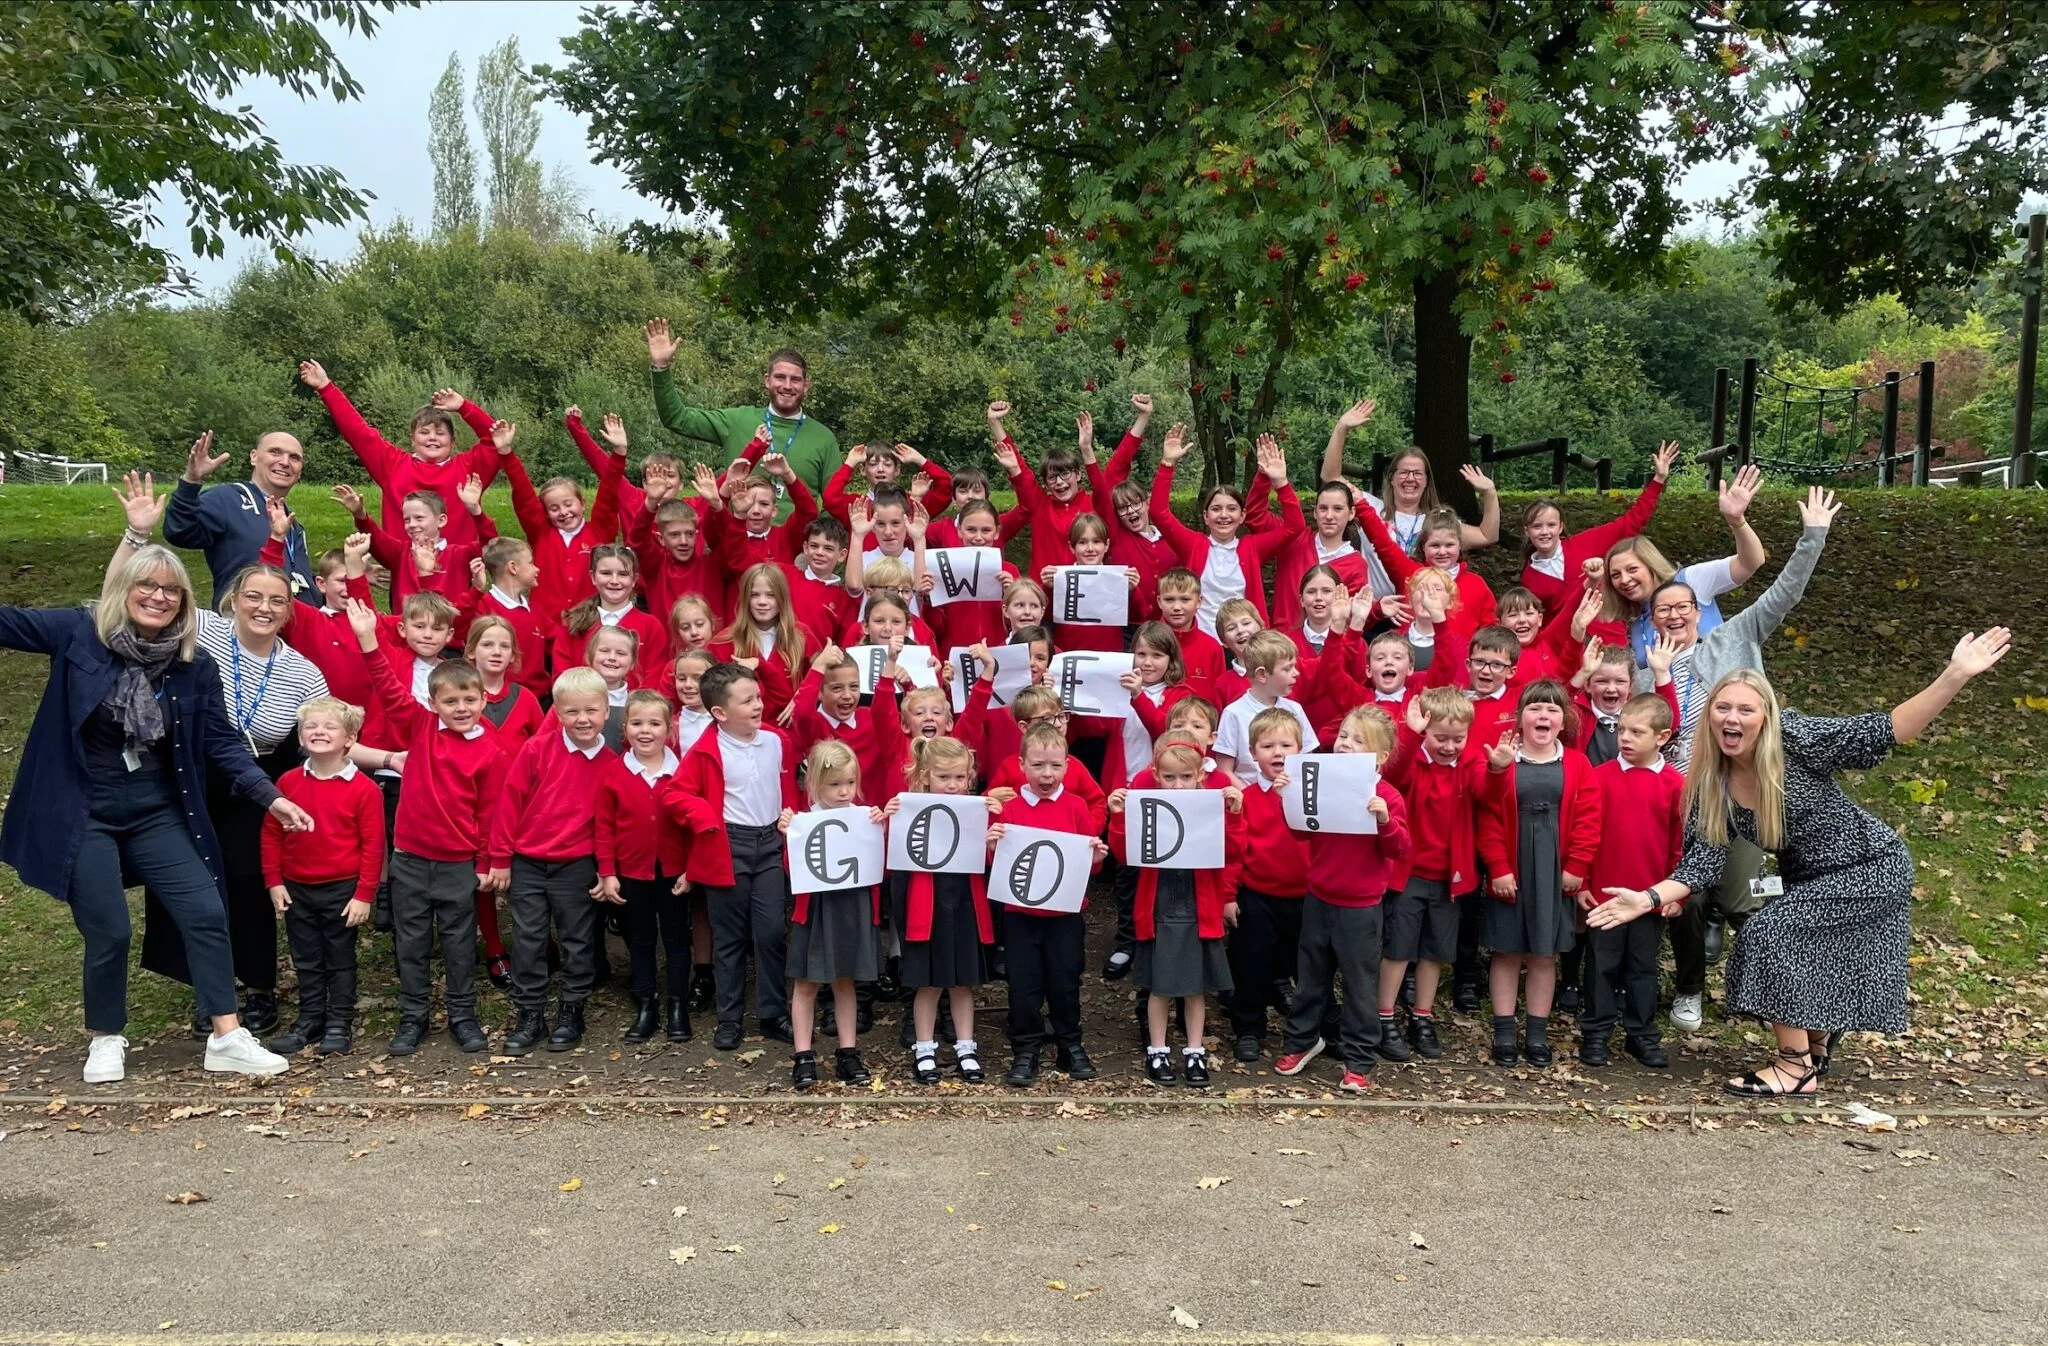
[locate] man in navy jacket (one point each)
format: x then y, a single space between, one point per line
231 523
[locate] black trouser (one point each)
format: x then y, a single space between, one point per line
429 897
1470 969
1046 954
1123 886
381 914
751 914
657 917
323 949
1264 951
1622 979
1689 929
252 919
1337 942
1574 968
553 894
134 823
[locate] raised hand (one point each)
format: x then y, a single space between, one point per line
356 548
1476 479
1415 719
140 502
1395 610
426 559
1500 756
920 517
920 486
502 435
199 460
1084 436
706 482
312 375
1358 413
661 347
279 517
1233 798
471 493
445 399
1664 459
996 412
1819 508
362 619
1340 611
350 499
860 518
1976 654
856 458
1005 456
1736 494
1142 403
1176 446
1588 610
1660 656
1272 460
613 432
777 466
907 456
479 574
1431 602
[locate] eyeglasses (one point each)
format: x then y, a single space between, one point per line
1055 717
1672 609
1491 665
153 589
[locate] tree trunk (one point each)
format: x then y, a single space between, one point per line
1443 388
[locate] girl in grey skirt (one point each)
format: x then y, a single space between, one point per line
834 937
1179 916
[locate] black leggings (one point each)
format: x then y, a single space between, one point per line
657 918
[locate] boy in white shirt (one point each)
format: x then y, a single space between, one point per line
1270 662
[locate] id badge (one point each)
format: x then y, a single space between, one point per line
130 758
1766 886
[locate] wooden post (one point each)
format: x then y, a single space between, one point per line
1889 436
1559 452
1923 424
1603 474
1717 433
2021 471
1745 415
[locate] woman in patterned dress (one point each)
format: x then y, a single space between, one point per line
1828 954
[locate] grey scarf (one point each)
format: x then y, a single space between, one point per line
133 701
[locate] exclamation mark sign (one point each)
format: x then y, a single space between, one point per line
1311 773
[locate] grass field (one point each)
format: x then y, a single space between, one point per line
1905 573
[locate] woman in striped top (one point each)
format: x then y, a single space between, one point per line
263 683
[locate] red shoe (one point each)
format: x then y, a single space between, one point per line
500 970
1291 1063
1355 1083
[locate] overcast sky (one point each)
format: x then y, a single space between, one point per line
379 141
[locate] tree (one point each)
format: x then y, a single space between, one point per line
104 106
519 194
449 150
1245 175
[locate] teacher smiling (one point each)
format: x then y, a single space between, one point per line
112 789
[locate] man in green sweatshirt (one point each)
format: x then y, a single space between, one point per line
811 448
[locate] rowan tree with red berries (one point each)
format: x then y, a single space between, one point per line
1248 177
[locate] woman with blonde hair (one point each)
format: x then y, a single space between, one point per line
1633 569
112 784
1827 954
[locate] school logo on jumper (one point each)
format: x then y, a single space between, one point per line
1174 829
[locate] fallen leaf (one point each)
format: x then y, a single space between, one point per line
732 1248
781 1178
1055 1285
1306 1152
1182 1318
835 1184
573 1185
1913 1154
682 1255
974 1229
748 1058
475 1110
1723 1210
679 1212
1907 1228
1291 1202
1400 1277
1210 1184
167 1324
1416 1240
860 1161
187 1198
832 1228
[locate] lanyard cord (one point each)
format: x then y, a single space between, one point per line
244 720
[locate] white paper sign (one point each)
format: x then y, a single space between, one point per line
1090 596
1012 675
939 834
916 660
1329 791
1174 829
1089 683
964 575
1041 869
831 849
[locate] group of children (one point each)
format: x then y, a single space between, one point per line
592 735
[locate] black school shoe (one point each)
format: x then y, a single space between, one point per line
469 1035
703 989
302 1034
407 1039
726 1037
1465 999
1159 1070
1567 1000
499 970
1593 1049
339 1039
1651 1054
1505 1052
1074 1060
803 1070
779 1031
850 1068
1023 1068
678 1019
259 1012
1118 967
527 1032
1392 1046
1422 1036
969 1065
1194 1069
568 1027
925 1069
1248 1048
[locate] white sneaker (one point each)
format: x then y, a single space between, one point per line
1685 1012
106 1060
241 1054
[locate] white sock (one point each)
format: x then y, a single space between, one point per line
1194 1051
1157 1053
964 1047
922 1050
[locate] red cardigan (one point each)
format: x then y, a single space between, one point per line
1443 802
919 896
1560 594
1252 548
1578 823
1214 888
695 799
1116 771
634 832
1475 598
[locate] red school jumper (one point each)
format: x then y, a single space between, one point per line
1252 548
1559 593
547 809
1475 598
1443 800
875 733
564 562
451 782
1064 812
695 798
664 579
1349 870
635 834
1642 825
347 840
398 474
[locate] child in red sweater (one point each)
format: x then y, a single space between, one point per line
1228 565
553 519
420 558
504 578
614 575
968 622
816 588
753 536
1538 828
544 859
1181 914
1642 816
1440 777
1046 949
1179 597
1341 918
1266 943
765 633
1048 508
493 647
428 463
672 540
641 856
828 707
454 768
1550 560
323 881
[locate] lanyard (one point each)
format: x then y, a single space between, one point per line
768 424
244 719
1406 539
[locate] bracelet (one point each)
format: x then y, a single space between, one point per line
133 538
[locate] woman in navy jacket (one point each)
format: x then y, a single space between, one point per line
112 789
